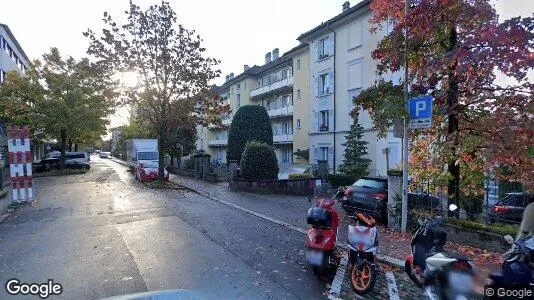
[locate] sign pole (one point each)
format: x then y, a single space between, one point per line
404 212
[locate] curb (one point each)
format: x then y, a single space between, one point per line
384 258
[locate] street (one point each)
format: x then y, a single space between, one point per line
103 234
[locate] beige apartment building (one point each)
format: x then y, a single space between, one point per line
280 85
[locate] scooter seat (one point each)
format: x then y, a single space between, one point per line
455 256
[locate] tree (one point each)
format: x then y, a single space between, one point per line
170 63
456 48
18 96
250 123
259 162
355 164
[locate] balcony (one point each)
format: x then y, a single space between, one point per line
284 84
218 143
283 138
225 122
281 111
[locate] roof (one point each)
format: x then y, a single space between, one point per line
12 37
295 49
323 25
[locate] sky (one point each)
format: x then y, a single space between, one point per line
237 32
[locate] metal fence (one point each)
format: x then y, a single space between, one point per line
486 205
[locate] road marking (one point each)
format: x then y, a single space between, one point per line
335 287
392 286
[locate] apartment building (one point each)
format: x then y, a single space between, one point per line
12 57
340 66
273 86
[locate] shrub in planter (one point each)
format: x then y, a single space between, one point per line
250 123
301 176
472 205
340 179
259 162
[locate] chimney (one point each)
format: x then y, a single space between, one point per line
227 77
346 6
232 75
276 53
267 57
245 68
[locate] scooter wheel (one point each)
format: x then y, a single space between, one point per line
409 271
362 277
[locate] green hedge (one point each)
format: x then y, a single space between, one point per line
340 179
189 164
259 162
502 230
250 123
301 176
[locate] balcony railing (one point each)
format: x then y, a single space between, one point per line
215 143
227 122
287 82
281 111
283 138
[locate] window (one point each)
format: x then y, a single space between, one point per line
323 52
298 64
298 94
238 87
323 153
298 123
323 84
323 120
284 101
269 80
259 83
238 100
354 39
244 85
2 76
354 75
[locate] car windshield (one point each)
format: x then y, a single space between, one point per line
75 155
147 155
370 183
150 164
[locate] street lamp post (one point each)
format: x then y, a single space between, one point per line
404 212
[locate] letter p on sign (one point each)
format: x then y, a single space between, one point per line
421 112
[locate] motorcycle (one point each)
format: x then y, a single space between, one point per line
322 234
363 247
441 274
518 265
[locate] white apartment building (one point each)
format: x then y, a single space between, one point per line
12 57
340 67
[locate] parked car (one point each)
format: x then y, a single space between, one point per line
148 171
74 164
510 208
368 195
45 164
104 154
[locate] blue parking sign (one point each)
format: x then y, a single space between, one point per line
421 112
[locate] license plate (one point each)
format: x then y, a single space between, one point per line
461 282
314 258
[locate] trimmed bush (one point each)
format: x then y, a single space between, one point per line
259 162
301 176
340 179
250 123
502 230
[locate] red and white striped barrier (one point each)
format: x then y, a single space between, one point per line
20 163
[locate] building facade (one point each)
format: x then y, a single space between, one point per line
12 57
340 67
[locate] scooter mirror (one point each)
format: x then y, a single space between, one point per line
509 239
453 207
420 222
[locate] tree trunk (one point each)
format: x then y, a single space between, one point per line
63 137
452 102
161 158
75 147
70 145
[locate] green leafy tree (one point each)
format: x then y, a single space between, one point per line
259 162
355 164
173 71
250 123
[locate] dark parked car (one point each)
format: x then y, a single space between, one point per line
46 164
73 160
511 207
369 195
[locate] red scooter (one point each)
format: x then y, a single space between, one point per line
322 235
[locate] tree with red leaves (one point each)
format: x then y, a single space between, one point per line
456 50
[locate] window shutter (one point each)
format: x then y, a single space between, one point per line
331 83
316 51
331 120
330 157
315 122
316 153
330 47
316 86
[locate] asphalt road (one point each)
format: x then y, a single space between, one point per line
103 234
